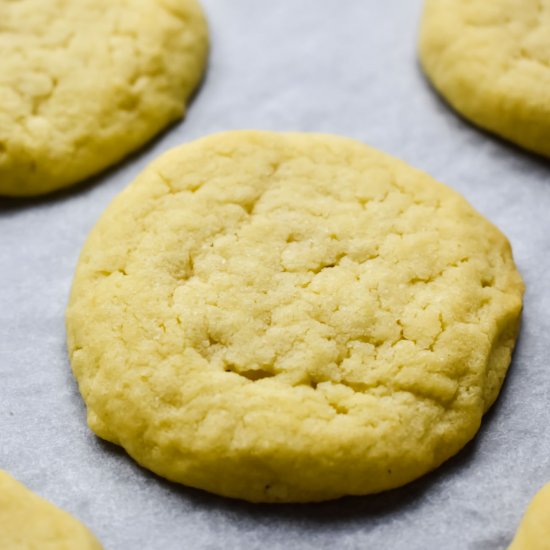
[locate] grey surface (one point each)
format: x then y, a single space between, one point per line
347 67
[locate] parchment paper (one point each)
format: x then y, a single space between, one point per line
342 66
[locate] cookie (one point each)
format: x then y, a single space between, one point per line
83 83
534 531
290 317
28 521
491 61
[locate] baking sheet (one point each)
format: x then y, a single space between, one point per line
318 65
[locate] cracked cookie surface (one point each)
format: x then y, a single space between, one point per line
83 83
290 317
491 61
29 522
534 531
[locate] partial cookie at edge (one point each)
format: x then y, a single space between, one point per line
491 61
534 530
83 84
28 521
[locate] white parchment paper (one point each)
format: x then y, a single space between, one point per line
341 66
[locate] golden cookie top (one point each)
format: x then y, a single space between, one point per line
290 317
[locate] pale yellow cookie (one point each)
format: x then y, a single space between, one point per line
85 82
28 522
491 60
534 531
290 317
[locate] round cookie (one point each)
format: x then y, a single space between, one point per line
534 531
491 61
85 82
30 522
290 317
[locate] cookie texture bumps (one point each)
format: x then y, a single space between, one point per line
491 61
534 531
290 317
28 522
85 82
